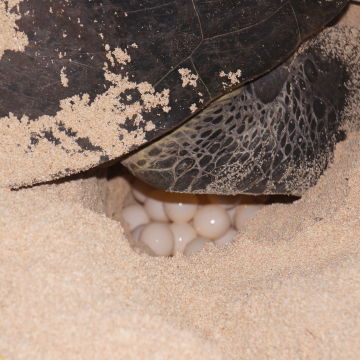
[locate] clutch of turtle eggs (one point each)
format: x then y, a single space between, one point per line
167 224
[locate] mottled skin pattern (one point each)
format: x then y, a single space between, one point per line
275 135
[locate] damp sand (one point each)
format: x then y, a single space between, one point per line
288 288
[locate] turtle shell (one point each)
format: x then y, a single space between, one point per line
92 80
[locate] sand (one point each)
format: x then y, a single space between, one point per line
289 287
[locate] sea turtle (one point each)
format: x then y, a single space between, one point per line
96 79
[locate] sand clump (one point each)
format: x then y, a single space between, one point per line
288 288
11 38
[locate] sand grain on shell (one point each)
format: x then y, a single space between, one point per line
187 78
232 77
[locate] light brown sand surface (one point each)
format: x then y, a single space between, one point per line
289 288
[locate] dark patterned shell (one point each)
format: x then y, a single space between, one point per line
197 49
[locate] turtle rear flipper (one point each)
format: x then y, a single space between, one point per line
275 135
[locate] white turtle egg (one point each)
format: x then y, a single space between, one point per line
231 212
245 213
136 244
211 221
135 215
138 195
195 246
135 234
226 239
159 238
183 234
180 211
227 201
140 190
155 209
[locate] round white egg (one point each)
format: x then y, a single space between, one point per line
195 246
138 195
226 239
138 245
211 221
231 212
155 209
135 215
136 233
159 238
183 234
244 213
141 190
180 212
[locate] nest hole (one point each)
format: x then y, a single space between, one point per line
160 223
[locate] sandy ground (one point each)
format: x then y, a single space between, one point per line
289 287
